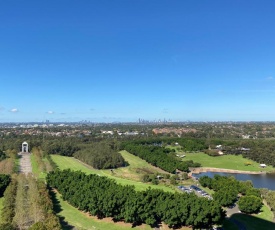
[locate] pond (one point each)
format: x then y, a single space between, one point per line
258 180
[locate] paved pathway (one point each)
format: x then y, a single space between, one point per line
25 163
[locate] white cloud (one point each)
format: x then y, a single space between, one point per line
50 112
269 78
14 110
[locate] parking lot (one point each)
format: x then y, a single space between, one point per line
198 191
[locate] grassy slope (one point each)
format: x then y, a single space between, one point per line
135 169
80 220
236 162
265 214
74 164
226 161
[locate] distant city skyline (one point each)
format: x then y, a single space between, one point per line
118 61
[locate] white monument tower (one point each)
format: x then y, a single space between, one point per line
25 147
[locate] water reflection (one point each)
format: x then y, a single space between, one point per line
258 180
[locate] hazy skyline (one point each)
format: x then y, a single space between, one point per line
121 60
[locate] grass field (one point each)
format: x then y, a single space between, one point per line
82 221
226 162
265 214
137 167
73 164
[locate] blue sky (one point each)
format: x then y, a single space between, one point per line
123 60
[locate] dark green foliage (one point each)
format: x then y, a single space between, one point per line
226 196
4 182
250 204
103 197
100 156
227 188
2 155
9 203
192 144
158 156
7 226
61 147
52 163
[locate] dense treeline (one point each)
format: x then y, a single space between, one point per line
100 156
227 190
103 197
27 205
60 147
158 156
261 151
4 182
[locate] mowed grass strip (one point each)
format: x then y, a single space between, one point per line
236 162
74 164
83 221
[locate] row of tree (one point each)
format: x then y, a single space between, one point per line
27 205
103 197
158 156
4 182
227 190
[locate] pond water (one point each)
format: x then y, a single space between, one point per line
258 180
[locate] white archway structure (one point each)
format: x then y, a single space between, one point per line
25 147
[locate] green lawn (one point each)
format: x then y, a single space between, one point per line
72 163
265 214
226 161
80 220
137 167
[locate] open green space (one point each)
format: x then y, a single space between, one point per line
265 214
136 168
74 164
236 162
74 217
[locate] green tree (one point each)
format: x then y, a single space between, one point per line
250 204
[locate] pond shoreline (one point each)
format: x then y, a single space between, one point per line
209 169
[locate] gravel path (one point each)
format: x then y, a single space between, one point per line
25 163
